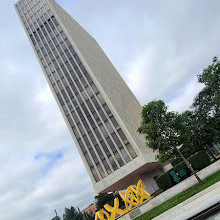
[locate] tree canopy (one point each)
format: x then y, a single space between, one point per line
107 198
206 107
195 129
74 214
163 129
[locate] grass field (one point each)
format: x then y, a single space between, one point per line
170 203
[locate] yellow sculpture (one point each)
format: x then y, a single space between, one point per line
133 196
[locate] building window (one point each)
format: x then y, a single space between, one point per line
79 113
85 110
111 145
79 85
86 125
105 148
101 171
95 102
122 135
94 157
70 120
106 166
117 141
107 110
32 39
88 77
75 117
64 95
77 59
82 131
72 50
131 150
101 100
103 130
98 135
114 122
112 162
76 134
54 20
88 159
90 106
83 81
96 117
125 155
118 158
102 114
89 91
91 121
94 88
109 127
95 175
93 139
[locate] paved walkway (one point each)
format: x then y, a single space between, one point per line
193 205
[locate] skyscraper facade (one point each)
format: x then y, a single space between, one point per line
99 109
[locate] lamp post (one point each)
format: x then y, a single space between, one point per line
188 164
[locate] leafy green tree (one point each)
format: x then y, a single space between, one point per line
104 198
164 131
206 108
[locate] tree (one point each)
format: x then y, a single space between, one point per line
70 214
73 214
104 198
162 129
164 132
206 108
107 198
56 218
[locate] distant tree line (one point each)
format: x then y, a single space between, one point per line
75 214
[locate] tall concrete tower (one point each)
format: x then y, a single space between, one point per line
101 112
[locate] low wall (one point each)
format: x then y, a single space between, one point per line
185 184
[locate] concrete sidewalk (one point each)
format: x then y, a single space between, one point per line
193 205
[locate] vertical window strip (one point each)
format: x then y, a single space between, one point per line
61 102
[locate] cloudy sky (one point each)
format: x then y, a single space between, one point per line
158 46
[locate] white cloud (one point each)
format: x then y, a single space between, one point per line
45 96
184 100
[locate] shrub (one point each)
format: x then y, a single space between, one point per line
164 181
176 161
200 160
181 166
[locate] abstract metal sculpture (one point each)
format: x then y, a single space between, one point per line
133 196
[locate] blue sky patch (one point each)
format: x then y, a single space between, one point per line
51 158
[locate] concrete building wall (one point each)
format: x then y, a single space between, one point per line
121 100
72 62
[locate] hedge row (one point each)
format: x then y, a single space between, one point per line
198 162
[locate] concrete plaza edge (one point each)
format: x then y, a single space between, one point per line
194 205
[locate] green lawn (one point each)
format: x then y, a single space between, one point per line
170 203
